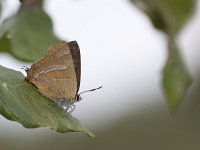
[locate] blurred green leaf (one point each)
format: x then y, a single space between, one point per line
167 15
19 101
29 33
170 16
176 79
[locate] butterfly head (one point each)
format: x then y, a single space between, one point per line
78 98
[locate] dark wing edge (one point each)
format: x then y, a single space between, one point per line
76 56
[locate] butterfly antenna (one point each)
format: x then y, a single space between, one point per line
91 90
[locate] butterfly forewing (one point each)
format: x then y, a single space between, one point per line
75 51
55 75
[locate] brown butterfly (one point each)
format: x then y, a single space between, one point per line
57 75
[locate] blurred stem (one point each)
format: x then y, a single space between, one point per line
159 16
171 44
30 4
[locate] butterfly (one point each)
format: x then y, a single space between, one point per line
57 75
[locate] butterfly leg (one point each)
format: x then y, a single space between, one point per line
72 107
66 109
25 68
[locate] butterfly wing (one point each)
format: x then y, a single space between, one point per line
54 75
75 51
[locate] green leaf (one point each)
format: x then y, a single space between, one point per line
19 101
176 79
167 15
29 33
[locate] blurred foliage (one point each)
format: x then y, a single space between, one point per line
5 45
20 102
175 78
167 15
28 34
170 16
